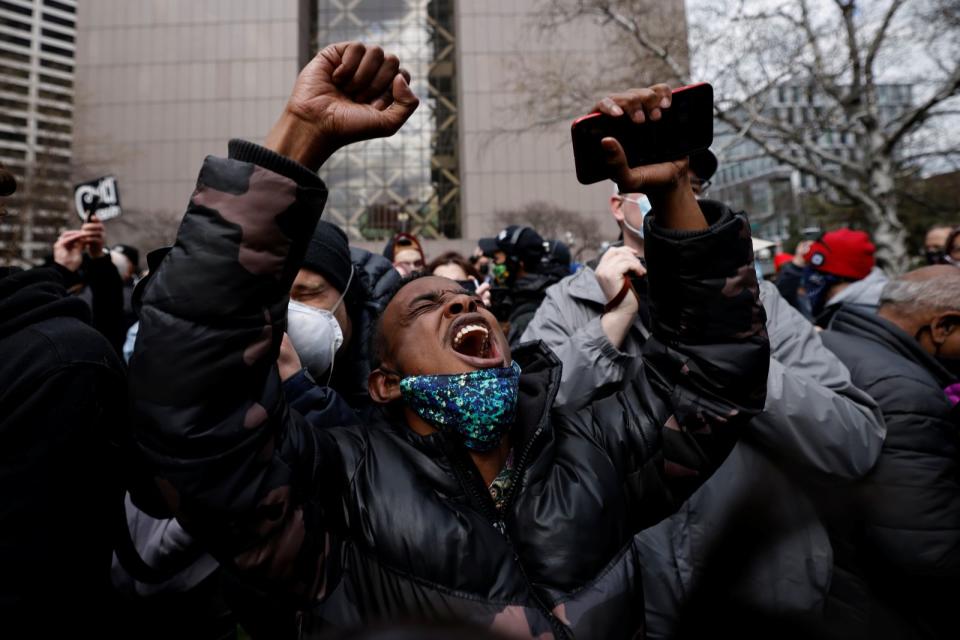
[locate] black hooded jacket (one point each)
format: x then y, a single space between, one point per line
899 528
375 278
375 522
62 393
525 297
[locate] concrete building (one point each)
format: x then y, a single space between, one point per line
36 121
163 83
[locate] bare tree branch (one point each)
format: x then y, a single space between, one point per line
881 34
781 154
834 53
907 122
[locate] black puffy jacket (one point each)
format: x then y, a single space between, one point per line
899 528
373 521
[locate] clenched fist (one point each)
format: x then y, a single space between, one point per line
349 92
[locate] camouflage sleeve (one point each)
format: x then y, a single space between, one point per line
704 369
709 353
240 470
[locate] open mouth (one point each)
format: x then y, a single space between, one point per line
472 339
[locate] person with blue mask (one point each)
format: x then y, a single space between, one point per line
841 269
467 494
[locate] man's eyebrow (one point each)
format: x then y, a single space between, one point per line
430 296
439 294
308 287
433 297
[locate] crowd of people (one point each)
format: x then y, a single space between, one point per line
265 428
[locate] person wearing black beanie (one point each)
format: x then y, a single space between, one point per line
334 303
318 321
328 254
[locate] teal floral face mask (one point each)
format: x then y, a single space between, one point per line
479 406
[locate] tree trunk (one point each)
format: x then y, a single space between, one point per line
891 241
888 232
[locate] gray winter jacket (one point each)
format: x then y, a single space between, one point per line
816 427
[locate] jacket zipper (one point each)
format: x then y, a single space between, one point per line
488 509
559 627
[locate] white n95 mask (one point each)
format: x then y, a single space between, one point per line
316 336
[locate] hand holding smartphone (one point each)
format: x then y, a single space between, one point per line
683 128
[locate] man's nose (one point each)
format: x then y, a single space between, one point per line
461 303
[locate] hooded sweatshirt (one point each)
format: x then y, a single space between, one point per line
62 391
862 293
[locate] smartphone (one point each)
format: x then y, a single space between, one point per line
685 128
468 285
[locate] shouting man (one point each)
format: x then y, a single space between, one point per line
469 495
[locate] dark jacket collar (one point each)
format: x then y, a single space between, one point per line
852 320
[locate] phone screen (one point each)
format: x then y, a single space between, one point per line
686 127
469 285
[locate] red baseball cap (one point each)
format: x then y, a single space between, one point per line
781 259
844 252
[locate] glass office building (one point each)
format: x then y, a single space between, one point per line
411 180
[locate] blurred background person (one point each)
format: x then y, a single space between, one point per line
790 278
558 259
454 266
841 269
520 277
952 248
63 400
88 272
406 254
126 259
935 243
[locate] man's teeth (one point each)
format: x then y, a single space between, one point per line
467 330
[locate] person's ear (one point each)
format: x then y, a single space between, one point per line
616 208
383 386
943 326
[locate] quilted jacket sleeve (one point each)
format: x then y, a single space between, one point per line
246 475
705 366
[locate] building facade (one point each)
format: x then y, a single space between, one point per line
161 84
37 39
772 192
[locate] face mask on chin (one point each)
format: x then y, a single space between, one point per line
479 406
316 335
